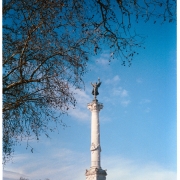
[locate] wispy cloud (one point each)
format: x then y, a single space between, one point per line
145 101
82 97
80 111
125 103
120 92
139 80
65 164
10 175
105 119
79 114
126 169
103 59
113 80
120 95
147 110
60 164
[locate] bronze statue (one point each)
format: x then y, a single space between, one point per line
95 88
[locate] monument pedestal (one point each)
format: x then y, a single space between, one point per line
95 174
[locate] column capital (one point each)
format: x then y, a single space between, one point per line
94 106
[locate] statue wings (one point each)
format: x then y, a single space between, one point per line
98 85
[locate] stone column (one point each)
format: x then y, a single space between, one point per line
95 172
95 107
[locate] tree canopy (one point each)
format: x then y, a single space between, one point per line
46 47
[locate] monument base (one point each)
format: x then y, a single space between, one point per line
95 173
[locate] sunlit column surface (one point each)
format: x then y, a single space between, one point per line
95 172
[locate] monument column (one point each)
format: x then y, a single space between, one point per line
95 107
95 172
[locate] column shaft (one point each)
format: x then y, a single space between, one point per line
95 139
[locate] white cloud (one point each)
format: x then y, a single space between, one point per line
57 164
10 175
125 103
120 91
102 61
124 93
144 101
123 96
115 79
66 164
120 168
81 97
80 112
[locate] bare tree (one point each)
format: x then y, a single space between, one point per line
46 46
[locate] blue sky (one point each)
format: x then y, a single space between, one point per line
137 123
